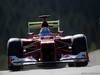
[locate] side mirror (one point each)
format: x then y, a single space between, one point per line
60 32
30 35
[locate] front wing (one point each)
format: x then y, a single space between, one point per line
68 58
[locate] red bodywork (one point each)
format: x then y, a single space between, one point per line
46 48
51 48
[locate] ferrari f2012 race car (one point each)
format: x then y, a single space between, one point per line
47 46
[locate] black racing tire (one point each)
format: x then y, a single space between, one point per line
70 64
78 64
14 49
82 64
15 68
79 44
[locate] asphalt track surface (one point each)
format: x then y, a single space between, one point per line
93 68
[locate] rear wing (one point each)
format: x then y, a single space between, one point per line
33 26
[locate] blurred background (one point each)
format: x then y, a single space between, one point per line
76 16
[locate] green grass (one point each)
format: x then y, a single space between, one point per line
3 62
92 47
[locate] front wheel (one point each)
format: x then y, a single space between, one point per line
14 47
78 64
79 43
83 64
15 68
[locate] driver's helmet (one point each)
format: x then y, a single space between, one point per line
45 31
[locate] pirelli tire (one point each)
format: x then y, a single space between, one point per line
15 68
78 64
14 47
79 45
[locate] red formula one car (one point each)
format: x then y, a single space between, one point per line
46 46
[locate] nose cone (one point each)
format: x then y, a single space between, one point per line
47 41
